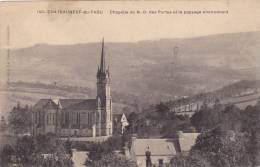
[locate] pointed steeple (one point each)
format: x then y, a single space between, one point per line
103 70
102 62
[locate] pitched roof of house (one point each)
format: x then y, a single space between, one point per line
156 147
187 140
70 104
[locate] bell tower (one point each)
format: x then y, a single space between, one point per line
104 100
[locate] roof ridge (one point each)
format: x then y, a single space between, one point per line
87 101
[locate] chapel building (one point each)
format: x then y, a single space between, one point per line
77 117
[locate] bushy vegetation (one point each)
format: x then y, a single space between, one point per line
112 144
113 160
158 121
229 137
223 148
41 151
20 119
193 160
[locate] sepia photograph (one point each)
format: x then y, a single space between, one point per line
130 83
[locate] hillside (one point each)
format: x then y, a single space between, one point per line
145 70
29 93
244 89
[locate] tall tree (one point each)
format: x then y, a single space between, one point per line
231 118
223 148
20 119
192 160
133 119
162 110
25 147
207 118
173 124
98 150
6 154
251 126
3 124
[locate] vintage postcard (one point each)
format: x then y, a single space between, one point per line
130 83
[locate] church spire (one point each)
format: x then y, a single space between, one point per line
102 62
103 70
104 101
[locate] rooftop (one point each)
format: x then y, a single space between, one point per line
164 147
187 140
75 104
155 146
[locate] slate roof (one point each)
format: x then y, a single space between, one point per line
88 104
68 104
164 147
157 147
65 103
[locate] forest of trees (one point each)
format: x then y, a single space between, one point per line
19 119
41 151
229 137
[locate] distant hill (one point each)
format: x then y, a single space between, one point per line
29 93
239 91
146 70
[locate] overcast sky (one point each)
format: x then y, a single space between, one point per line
28 27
